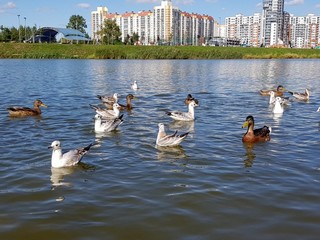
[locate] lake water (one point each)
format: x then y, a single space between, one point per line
211 187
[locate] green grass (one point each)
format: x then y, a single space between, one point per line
81 51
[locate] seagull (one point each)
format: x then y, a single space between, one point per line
301 96
184 116
278 108
107 125
134 85
165 140
272 99
109 99
68 159
108 114
318 109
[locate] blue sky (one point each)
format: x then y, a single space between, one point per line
56 13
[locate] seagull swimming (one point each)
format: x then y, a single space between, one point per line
165 140
134 85
108 114
107 125
184 116
68 159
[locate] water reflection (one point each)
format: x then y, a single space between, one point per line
249 155
169 153
58 174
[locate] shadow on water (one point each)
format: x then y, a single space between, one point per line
170 153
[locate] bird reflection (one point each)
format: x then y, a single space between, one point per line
57 176
250 155
167 153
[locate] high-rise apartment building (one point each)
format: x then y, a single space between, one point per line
166 24
272 22
97 18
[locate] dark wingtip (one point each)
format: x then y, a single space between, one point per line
168 113
184 135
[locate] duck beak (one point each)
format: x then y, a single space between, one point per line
43 105
245 124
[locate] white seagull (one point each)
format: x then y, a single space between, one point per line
68 159
106 113
106 125
134 85
165 140
272 99
184 116
318 109
278 108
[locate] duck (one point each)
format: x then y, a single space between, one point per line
278 107
189 98
25 111
134 85
255 135
301 96
106 113
278 92
164 140
108 99
107 125
68 159
272 99
184 116
127 106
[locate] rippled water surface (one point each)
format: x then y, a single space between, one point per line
211 187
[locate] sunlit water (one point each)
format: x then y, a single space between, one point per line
212 187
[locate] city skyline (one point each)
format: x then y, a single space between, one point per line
57 13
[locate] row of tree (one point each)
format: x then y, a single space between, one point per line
109 34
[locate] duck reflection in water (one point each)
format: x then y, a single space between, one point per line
250 155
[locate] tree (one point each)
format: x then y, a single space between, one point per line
110 32
77 22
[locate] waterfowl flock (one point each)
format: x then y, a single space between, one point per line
107 120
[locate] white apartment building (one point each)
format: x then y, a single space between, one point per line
166 24
97 18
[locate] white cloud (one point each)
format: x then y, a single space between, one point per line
294 2
7 6
83 5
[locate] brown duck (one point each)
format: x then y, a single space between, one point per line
25 111
129 105
189 99
255 135
277 93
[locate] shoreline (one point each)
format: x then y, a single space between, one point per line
82 51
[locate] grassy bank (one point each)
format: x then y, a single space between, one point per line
59 51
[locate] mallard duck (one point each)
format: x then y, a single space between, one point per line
107 125
278 107
189 98
255 135
165 140
301 96
109 100
184 116
134 85
68 159
25 111
277 93
284 100
106 113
